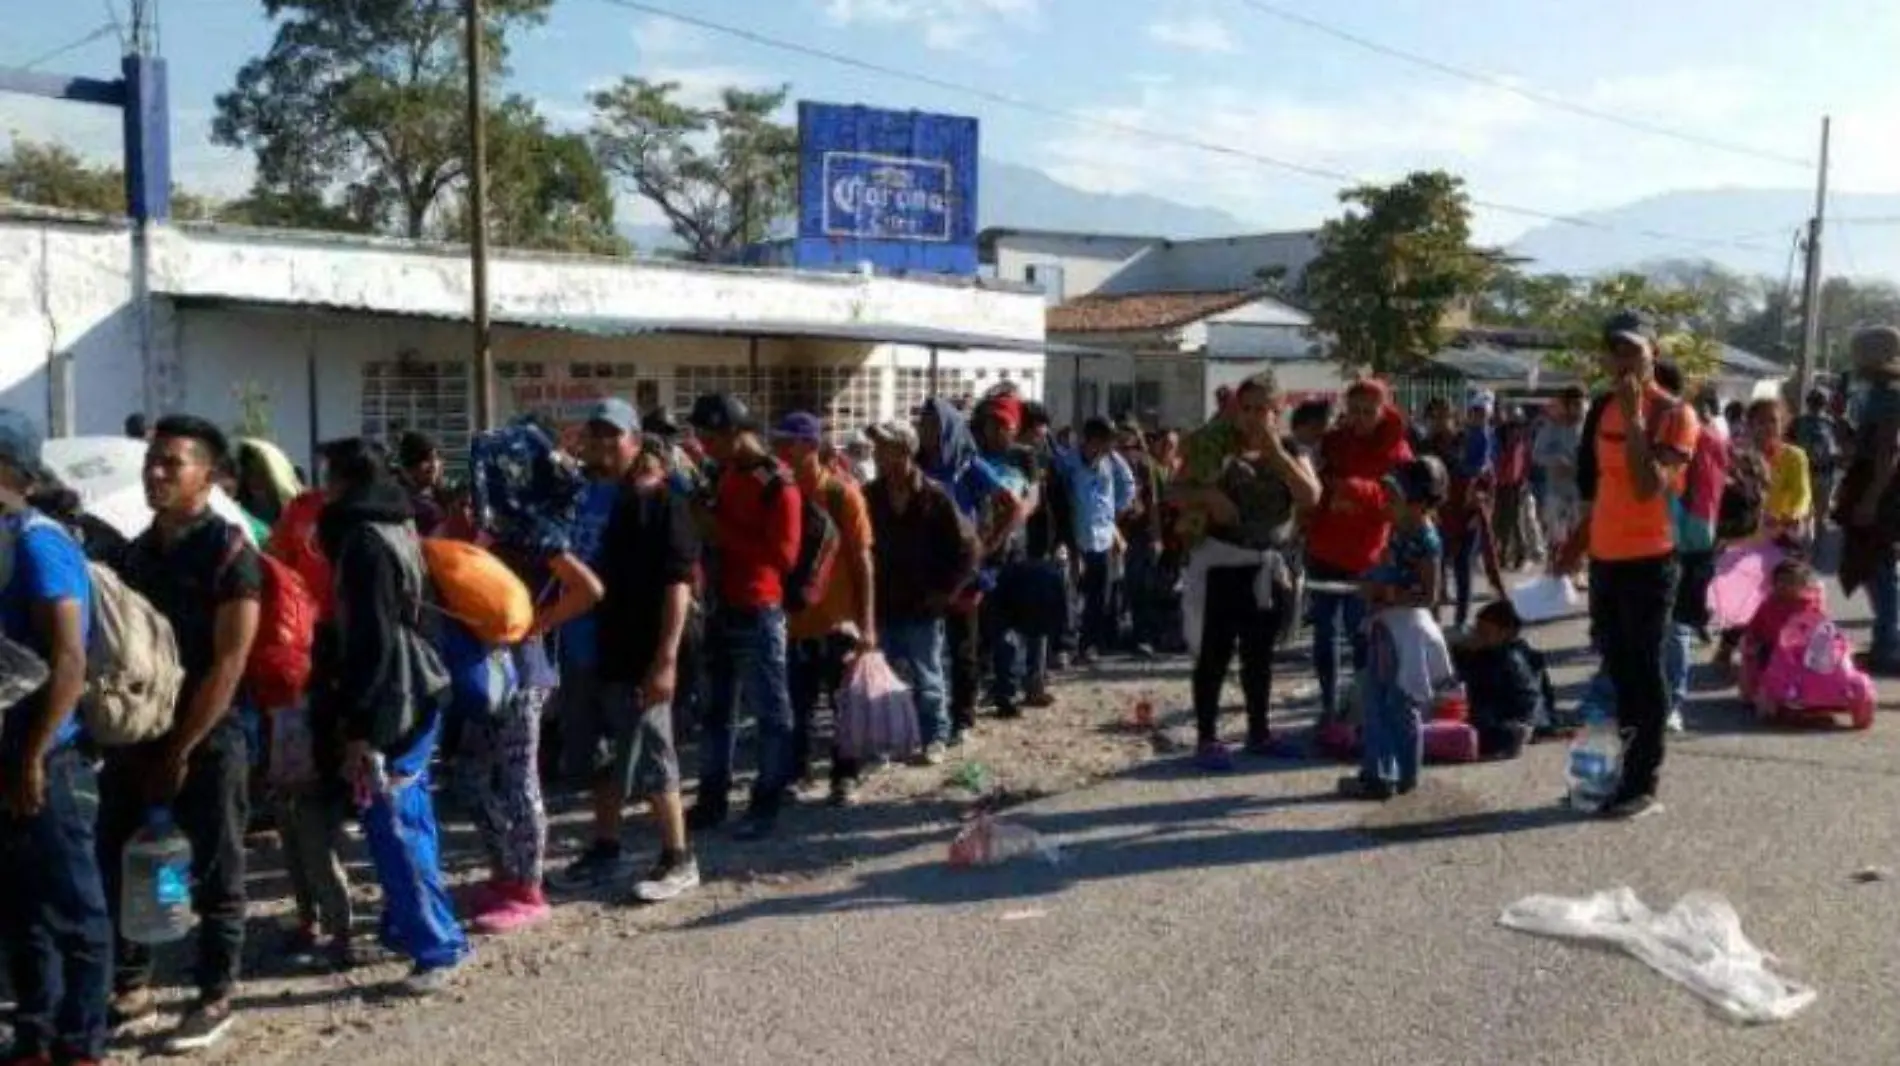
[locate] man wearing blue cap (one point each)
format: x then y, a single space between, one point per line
52 901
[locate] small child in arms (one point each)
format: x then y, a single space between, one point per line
1408 656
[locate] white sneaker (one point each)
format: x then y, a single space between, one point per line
1675 724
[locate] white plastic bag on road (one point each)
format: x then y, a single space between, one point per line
1697 943
1546 599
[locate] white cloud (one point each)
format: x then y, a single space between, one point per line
1200 33
1511 150
656 37
946 25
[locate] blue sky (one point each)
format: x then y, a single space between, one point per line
1750 71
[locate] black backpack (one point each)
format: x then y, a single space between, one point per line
819 545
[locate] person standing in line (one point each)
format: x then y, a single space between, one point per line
1638 440
1017 606
1101 492
820 643
1143 529
53 908
757 525
945 450
202 575
1346 529
925 554
1555 453
1050 544
391 685
1242 481
529 499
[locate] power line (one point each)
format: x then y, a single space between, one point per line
1506 85
1130 129
66 48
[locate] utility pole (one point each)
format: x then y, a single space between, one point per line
1811 279
478 221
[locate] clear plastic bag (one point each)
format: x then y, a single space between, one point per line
876 715
1697 943
987 841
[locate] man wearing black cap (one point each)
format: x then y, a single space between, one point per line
757 525
52 900
1637 440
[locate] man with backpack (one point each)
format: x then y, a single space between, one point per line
204 578
389 691
52 900
761 529
820 646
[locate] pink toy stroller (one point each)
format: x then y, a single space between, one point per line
1808 676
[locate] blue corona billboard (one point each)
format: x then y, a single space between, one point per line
896 189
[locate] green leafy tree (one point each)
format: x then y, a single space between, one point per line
722 175
1392 269
1577 322
359 106
546 189
52 175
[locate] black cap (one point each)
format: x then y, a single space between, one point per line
1631 326
719 412
659 423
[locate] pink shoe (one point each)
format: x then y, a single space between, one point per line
512 908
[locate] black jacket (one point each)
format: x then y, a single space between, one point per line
389 676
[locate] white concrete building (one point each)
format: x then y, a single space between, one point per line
328 336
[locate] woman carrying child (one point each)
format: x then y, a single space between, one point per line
1409 661
1787 506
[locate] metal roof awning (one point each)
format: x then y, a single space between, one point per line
612 326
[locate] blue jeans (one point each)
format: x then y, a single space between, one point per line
53 913
1004 679
1676 664
914 648
1391 746
747 664
1883 591
1332 613
418 917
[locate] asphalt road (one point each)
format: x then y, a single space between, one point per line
1243 919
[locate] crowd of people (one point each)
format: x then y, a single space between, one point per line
684 575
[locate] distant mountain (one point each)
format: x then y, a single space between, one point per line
1010 194
1764 218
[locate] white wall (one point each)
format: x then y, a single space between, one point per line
1086 261
65 292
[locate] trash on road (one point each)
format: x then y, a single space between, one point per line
1141 711
1546 599
1867 875
989 841
1697 943
1027 914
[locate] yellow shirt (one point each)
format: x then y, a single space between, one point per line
1790 497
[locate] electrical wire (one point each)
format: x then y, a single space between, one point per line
1129 129
68 48
1507 85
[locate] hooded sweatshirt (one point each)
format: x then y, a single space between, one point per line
956 449
388 674
1348 529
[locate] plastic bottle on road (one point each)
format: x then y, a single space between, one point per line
1595 761
989 842
155 902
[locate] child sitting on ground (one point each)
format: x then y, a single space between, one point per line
1409 662
1506 681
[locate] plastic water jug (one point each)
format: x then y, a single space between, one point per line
1595 763
155 904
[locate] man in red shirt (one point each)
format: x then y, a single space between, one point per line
756 522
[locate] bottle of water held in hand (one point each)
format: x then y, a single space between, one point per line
1595 761
155 900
